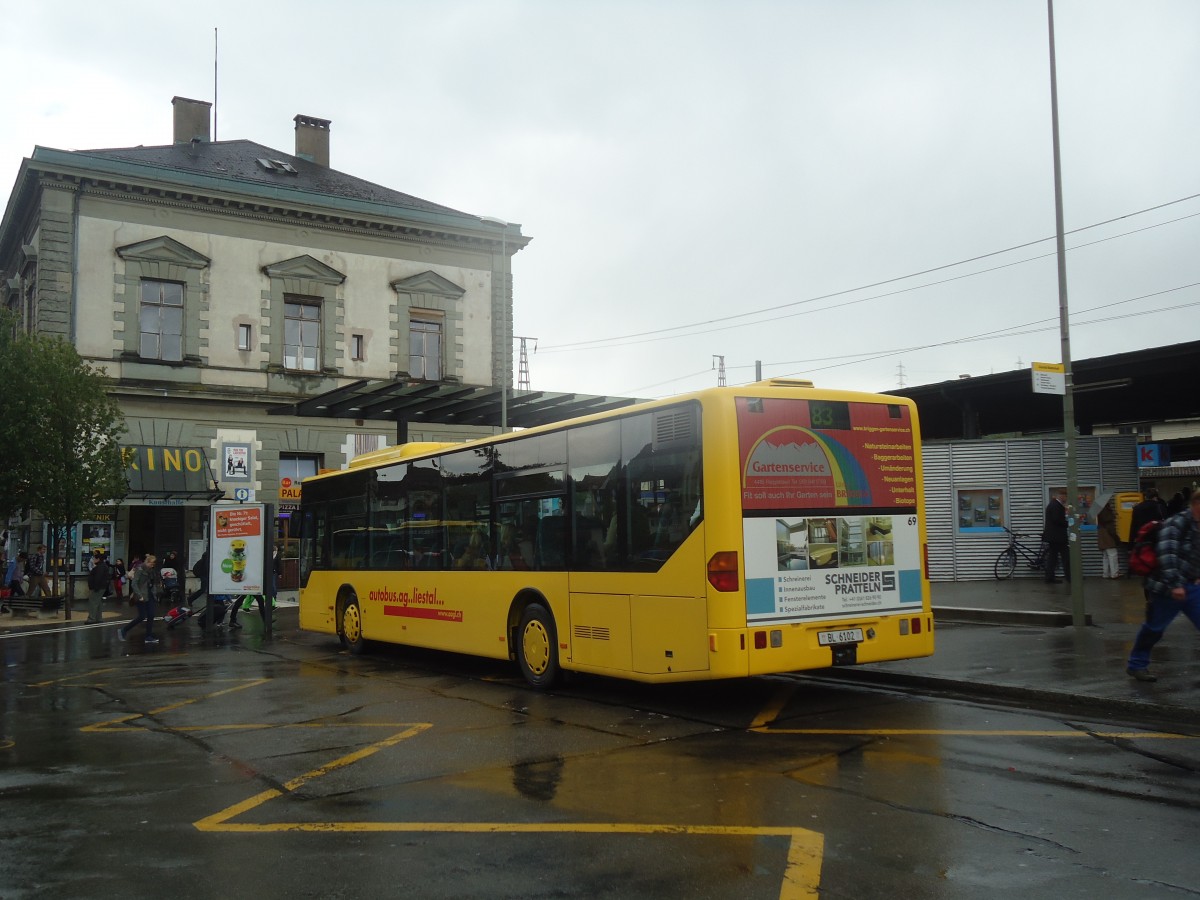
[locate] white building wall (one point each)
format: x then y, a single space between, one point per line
236 286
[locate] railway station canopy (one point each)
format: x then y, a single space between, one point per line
430 403
1126 389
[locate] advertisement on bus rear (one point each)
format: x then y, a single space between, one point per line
829 505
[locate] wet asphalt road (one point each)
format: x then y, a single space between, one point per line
231 766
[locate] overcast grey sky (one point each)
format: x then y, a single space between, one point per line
679 163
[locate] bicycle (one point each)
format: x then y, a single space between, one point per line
1006 562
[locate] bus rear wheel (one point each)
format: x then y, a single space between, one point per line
537 647
350 627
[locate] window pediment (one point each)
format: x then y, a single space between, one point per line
305 267
164 249
428 283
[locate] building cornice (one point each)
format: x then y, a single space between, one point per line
172 188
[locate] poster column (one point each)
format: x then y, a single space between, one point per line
237 547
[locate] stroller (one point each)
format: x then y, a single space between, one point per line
170 592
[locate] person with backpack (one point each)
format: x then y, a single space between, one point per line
1173 588
98 581
1151 509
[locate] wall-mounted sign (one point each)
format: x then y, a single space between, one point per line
167 472
289 489
1153 455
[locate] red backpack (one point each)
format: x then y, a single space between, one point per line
1143 556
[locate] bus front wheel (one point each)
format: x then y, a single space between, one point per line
351 627
537 647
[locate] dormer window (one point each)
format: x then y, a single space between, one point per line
277 165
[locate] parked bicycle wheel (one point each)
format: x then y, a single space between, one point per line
1006 564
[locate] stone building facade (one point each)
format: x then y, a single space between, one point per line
215 280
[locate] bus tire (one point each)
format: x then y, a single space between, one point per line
537 647
350 626
1006 564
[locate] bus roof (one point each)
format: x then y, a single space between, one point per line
766 387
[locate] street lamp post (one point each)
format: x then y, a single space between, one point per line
1074 551
506 344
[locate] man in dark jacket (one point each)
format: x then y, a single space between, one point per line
1173 589
98 581
1152 509
1055 536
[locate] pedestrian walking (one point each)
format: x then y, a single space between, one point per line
35 568
99 580
1055 536
1106 541
200 570
119 576
15 574
1173 589
146 584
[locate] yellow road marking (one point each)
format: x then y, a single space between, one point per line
773 708
111 724
976 732
801 877
73 677
7 745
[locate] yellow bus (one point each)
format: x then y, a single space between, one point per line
730 532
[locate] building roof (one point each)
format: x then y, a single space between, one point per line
239 161
230 173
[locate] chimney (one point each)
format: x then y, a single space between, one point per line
312 139
191 120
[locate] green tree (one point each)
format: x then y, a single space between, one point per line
61 431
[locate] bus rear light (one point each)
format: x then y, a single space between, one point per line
723 570
760 640
903 627
916 626
776 638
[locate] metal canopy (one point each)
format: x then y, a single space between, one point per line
446 404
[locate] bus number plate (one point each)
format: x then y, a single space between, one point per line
849 636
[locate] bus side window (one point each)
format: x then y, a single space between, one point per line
313 555
552 543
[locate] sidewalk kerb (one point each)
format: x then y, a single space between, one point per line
1103 709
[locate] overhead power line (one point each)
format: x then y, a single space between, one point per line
666 332
1033 327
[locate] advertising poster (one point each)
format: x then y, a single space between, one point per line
235 462
237 544
96 536
829 502
801 569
